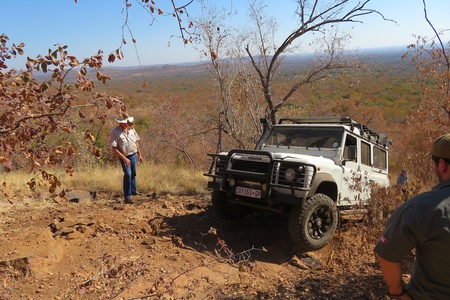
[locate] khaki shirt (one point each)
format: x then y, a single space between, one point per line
124 142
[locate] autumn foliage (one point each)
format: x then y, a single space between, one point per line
40 120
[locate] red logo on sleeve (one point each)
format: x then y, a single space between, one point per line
383 240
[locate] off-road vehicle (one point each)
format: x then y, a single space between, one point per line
314 169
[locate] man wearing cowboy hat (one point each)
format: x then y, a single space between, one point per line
124 142
423 223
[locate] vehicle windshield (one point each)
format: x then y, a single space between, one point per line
317 137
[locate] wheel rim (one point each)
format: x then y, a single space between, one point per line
319 222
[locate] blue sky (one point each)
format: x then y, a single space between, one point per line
90 25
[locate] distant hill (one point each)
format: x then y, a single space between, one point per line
391 56
370 56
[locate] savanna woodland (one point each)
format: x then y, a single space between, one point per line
65 231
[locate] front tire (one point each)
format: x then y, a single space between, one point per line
224 209
312 225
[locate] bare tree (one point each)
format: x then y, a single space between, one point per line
249 60
240 104
315 17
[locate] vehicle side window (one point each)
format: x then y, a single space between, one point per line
365 153
379 158
349 141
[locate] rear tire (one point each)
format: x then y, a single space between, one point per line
312 225
224 209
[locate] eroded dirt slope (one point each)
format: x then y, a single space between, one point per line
164 248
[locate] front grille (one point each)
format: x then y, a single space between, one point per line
250 166
256 169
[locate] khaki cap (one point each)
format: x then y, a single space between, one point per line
441 147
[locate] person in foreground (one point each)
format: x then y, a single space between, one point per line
124 142
423 223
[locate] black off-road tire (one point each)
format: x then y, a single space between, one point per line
224 209
312 225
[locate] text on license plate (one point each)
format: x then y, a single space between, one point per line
248 192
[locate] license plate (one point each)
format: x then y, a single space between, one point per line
248 192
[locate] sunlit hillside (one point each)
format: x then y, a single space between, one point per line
176 107
183 96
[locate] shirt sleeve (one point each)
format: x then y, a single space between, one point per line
113 139
137 138
399 236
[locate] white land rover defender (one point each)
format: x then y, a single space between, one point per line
306 167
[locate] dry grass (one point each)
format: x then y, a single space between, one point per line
151 178
161 179
15 185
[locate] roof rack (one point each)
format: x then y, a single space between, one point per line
366 132
319 120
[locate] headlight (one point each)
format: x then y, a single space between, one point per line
289 174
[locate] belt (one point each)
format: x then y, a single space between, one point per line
131 155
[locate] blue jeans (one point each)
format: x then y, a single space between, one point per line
129 176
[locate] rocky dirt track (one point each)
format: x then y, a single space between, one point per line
164 248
